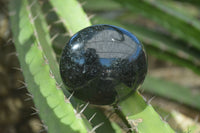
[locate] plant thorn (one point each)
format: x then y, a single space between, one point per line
97 126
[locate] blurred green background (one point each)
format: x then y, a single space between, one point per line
170 32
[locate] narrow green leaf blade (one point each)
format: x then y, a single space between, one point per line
71 14
178 26
172 91
48 97
165 55
100 5
142 116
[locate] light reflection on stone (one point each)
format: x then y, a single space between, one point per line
103 64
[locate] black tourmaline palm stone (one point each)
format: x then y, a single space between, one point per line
103 64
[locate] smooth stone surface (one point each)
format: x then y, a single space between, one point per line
103 64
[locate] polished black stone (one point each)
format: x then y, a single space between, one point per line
103 64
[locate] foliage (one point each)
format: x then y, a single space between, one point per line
173 37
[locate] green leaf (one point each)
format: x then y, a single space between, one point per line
194 2
116 127
99 118
72 15
37 65
175 22
142 117
100 5
165 55
172 91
